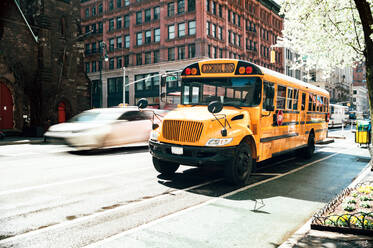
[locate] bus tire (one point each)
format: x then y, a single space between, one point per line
164 167
308 151
238 171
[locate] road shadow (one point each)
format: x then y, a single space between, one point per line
318 179
111 151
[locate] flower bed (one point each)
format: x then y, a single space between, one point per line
350 212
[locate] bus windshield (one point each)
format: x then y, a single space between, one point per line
239 92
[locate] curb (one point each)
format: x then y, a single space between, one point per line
325 142
21 142
302 232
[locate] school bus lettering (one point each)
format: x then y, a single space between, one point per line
235 113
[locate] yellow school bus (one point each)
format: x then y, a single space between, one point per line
235 113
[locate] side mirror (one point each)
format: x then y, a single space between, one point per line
215 107
142 103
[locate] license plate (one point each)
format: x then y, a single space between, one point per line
177 150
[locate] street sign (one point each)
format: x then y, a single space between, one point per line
170 78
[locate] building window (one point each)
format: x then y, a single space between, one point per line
139 59
148 58
229 37
119 3
148 36
138 17
94 50
156 12
208 28
220 33
111 4
157 35
148 15
191 5
94 69
126 2
119 42
191 50
239 20
100 27
180 6
156 56
209 51
126 21
119 22
111 24
220 11
220 52
181 52
87 12
87 67
214 8
111 63
111 44
192 27
126 60
171 54
94 30
100 8
171 32
139 38
215 55
170 9
181 29
93 11
119 62
213 29
208 5
229 15
127 41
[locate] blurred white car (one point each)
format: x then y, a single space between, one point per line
105 127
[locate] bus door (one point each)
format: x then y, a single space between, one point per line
303 116
266 132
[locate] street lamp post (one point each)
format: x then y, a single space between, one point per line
124 86
102 46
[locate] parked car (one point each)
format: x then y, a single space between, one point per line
105 127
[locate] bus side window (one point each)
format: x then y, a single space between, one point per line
295 99
268 96
281 97
310 102
303 101
289 98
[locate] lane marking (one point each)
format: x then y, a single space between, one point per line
151 223
12 191
100 214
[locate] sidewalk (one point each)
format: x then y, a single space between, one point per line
305 237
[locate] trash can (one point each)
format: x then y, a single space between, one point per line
362 134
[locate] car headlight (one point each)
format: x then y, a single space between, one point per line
154 135
219 142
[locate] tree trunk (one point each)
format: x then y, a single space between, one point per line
366 18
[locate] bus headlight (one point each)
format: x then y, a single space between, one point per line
219 142
154 135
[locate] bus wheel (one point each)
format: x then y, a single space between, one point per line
308 151
239 170
164 167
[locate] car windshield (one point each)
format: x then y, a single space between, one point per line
96 116
240 92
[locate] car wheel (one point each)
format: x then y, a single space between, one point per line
164 167
238 171
309 150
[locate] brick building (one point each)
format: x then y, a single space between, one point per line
42 78
153 37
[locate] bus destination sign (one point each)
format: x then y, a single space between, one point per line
218 68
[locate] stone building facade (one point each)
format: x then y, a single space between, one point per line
153 37
42 76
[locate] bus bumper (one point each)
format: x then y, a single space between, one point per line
193 155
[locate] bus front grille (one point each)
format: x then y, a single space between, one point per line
182 131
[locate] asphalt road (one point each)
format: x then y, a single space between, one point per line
52 197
